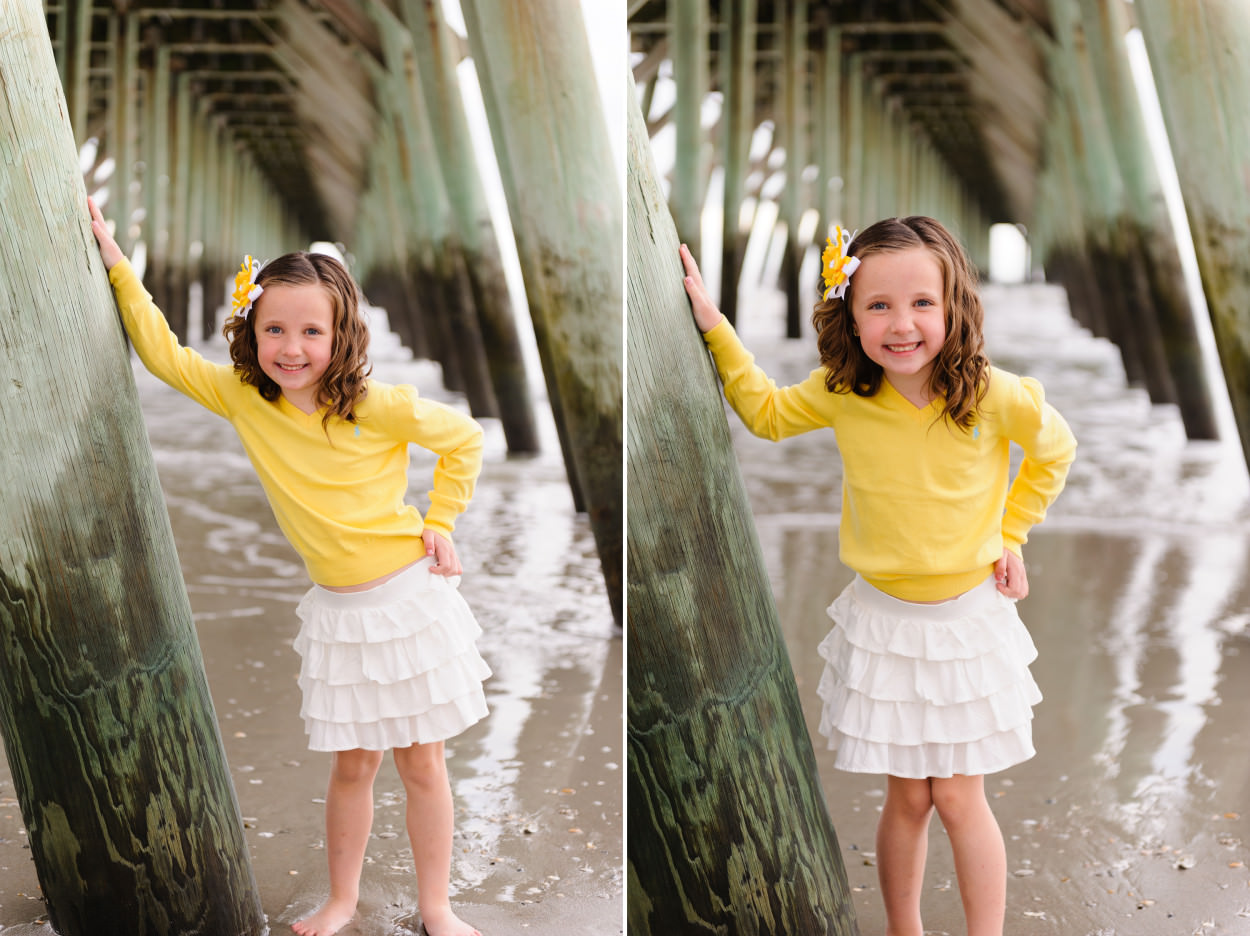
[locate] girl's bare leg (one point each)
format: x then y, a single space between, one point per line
349 818
430 819
902 843
980 857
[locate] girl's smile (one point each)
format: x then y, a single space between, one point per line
295 340
899 313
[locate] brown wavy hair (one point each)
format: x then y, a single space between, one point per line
343 385
960 372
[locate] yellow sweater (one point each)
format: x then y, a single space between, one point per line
926 508
337 492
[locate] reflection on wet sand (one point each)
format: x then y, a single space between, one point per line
537 784
1132 819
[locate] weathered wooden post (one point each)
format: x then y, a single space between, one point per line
688 31
1116 251
737 73
793 21
1080 142
829 123
123 53
564 199
1146 227
473 231
424 175
104 708
1200 54
80 65
728 831
158 108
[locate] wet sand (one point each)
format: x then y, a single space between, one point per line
537 784
1133 817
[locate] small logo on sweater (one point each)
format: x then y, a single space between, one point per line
976 432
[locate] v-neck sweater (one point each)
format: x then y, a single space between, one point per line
337 491
927 507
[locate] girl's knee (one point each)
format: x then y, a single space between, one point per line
356 766
957 797
421 764
912 798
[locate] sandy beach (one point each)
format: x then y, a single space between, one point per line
537 784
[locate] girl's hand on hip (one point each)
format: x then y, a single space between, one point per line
110 253
1010 577
706 315
443 552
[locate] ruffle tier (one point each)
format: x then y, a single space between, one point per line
391 666
920 691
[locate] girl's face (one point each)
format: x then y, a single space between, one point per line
295 339
899 314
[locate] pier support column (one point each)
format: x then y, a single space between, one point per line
1147 228
564 199
434 46
107 721
1200 54
423 174
688 31
728 830
737 68
793 72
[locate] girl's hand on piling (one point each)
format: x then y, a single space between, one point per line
440 548
706 315
1010 577
110 253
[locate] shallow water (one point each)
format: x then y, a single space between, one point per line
537 784
1133 816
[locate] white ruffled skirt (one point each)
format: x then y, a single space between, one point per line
920 690
389 667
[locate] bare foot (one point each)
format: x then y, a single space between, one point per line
331 918
442 922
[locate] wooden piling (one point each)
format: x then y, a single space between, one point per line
158 106
447 272
564 199
793 72
829 124
688 27
80 64
124 55
1085 160
728 831
1146 226
737 72
390 220
1117 250
472 232
107 720
1200 54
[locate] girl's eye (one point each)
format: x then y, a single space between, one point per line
924 302
273 330
312 331
876 306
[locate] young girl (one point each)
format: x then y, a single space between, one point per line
926 676
386 641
